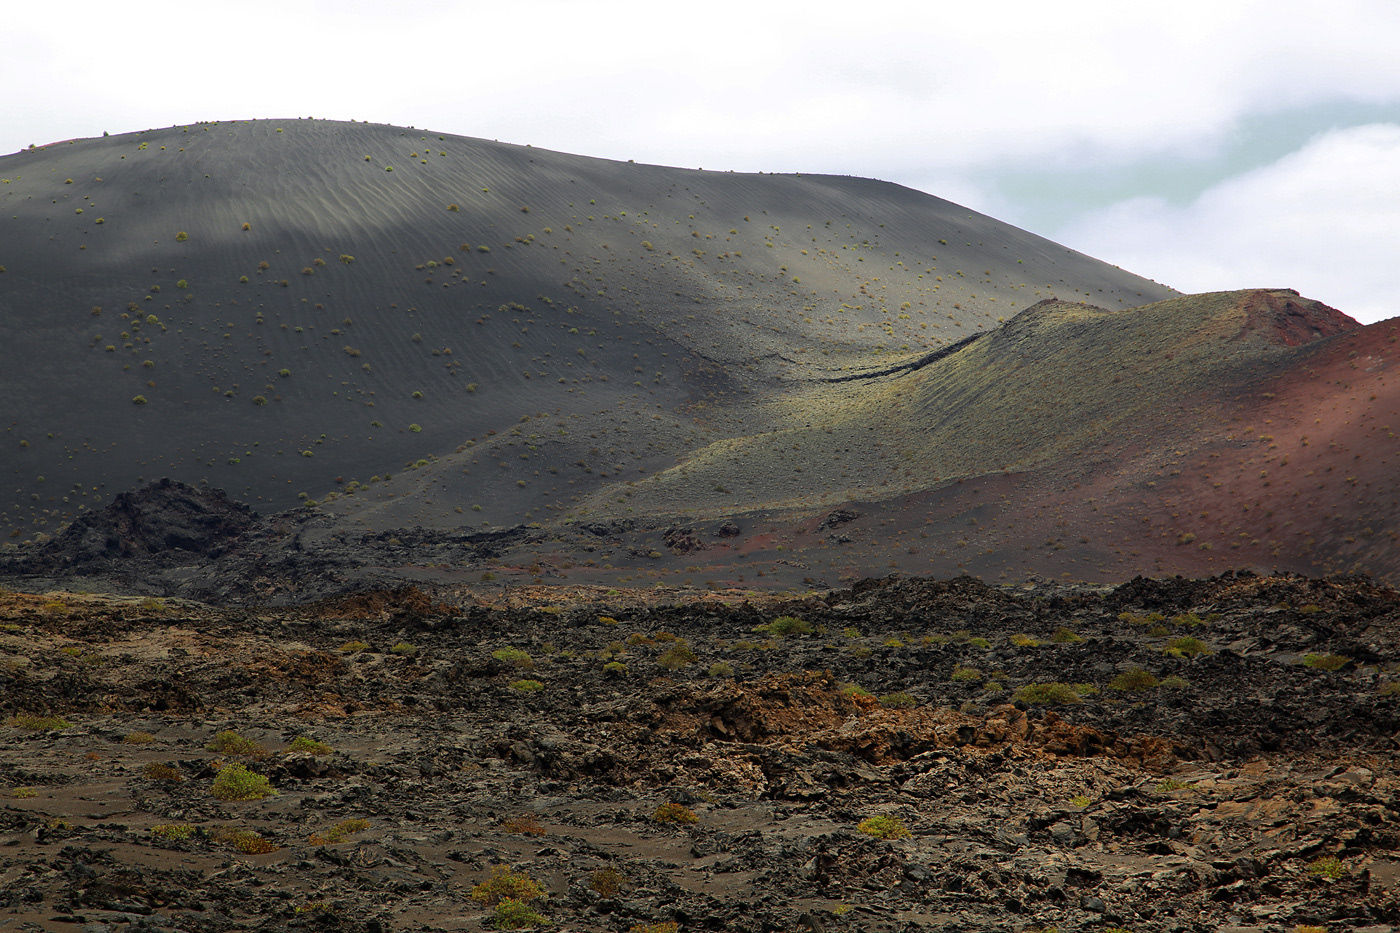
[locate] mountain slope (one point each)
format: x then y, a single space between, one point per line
407 292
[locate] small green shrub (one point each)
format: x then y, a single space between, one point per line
232 743
980 643
172 832
607 881
854 690
1167 785
511 914
339 832
138 738
850 631
160 771
182 236
353 647
721 669
1047 694
1329 867
898 700
527 686
1187 646
1080 801
1024 641
664 926
235 782
515 657
674 813
884 826
23 793
1133 679
404 649
309 745
1325 662
31 723
677 656
1174 683
138 400
965 674
244 840
786 625
506 884
615 668
1066 636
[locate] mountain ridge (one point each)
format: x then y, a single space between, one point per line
398 329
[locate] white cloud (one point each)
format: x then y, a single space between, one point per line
1324 220
888 89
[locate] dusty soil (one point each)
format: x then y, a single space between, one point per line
540 729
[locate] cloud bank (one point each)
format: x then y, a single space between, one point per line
1324 220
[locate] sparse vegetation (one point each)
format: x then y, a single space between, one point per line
786 625
172 832
309 745
236 782
339 832
1187 646
1329 867
677 656
527 825
244 840
515 657
1326 662
506 884
884 827
511 914
607 881
1133 679
233 743
31 723
160 771
674 813
1048 694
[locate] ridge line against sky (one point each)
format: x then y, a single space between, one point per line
1209 146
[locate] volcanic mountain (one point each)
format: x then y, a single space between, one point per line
565 366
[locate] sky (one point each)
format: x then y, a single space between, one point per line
1206 145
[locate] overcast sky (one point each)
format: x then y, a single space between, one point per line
1207 145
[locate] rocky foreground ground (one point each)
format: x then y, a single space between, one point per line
902 755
